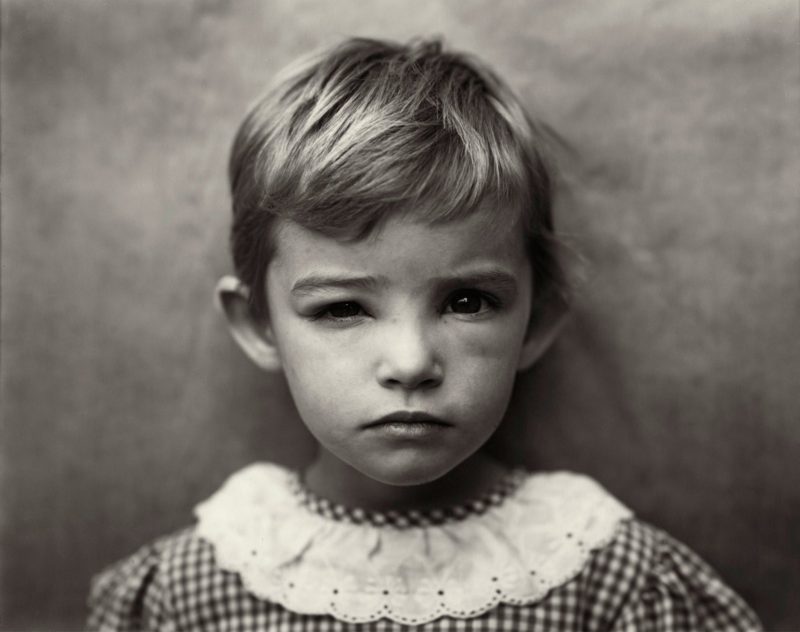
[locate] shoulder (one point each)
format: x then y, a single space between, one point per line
176 582
646 580
161 586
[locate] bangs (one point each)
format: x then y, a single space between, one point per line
373 131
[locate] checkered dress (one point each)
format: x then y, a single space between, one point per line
642 581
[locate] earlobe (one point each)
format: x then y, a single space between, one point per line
252 336
545 327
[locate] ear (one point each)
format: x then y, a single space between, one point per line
546 324
253 336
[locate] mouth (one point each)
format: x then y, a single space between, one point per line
408 426
408 418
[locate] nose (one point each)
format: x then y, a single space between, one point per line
408 359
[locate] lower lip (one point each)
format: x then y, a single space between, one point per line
410 430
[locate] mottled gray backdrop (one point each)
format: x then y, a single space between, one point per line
676 383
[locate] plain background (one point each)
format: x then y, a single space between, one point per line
676 383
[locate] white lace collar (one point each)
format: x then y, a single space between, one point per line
514 551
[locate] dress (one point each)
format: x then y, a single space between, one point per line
541 551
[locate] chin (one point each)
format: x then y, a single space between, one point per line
400 473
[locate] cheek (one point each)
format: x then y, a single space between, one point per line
317 370
497 345
485 363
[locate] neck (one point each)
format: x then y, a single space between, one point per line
330 478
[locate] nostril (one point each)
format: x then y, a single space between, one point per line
418 381
430 382
413 383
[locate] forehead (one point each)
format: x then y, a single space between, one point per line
404 245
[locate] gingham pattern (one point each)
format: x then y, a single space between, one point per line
413 518
642 581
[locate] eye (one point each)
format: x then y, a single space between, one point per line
469 302
341 311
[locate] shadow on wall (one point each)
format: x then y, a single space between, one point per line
571 412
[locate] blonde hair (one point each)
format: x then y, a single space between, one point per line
369 128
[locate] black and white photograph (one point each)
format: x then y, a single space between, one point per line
448 316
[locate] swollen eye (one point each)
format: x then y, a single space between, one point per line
344 310
466 302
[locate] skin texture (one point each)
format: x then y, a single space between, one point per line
414 317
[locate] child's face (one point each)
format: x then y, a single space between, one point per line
413 319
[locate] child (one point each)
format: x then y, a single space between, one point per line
395 253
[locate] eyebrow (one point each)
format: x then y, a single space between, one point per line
314 282
496 278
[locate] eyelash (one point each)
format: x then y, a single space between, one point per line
488 302
491 301
325 312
